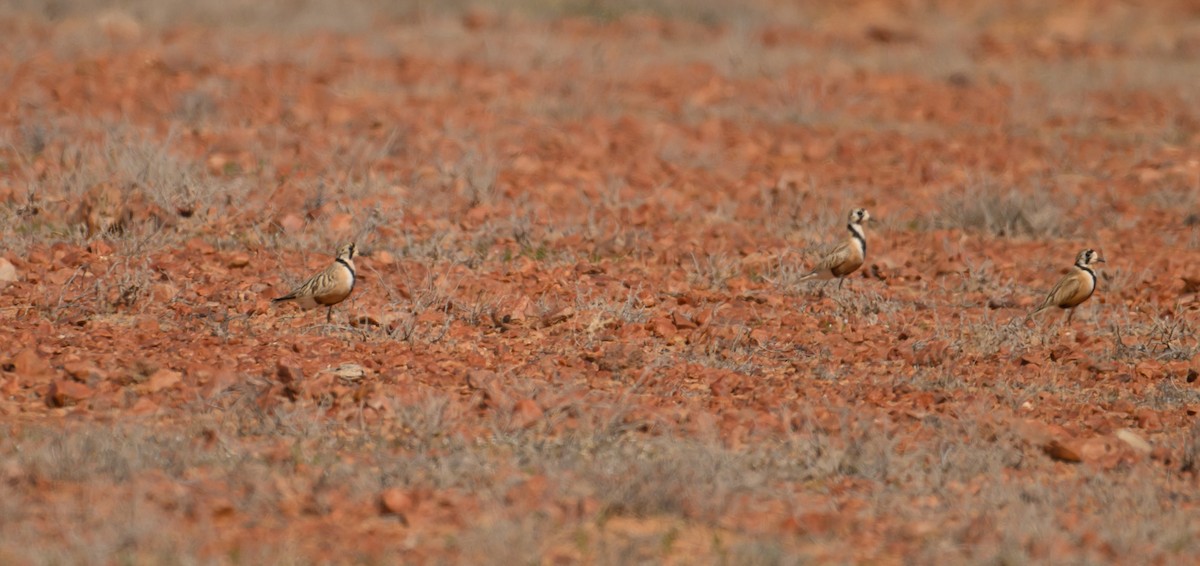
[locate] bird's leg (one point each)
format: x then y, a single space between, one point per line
329 314
1070 315
841 280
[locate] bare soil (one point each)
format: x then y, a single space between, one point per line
579 334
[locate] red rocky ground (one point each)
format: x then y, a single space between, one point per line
579 334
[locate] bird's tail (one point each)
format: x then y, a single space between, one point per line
1035 312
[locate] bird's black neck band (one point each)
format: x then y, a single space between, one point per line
1088 270
856 232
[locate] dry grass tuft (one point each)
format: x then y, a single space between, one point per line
990 208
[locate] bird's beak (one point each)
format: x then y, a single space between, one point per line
1100 260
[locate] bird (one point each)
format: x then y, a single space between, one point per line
1075 287
329 287
848 256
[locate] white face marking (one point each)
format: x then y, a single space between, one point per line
1088 257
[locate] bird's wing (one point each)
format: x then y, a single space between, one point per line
1066 288
310 287
834 258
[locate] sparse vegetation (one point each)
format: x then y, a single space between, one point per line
579 334
992 209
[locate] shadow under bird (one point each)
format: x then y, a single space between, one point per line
329 287
1075 287
848 256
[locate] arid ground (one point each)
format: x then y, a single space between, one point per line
579 333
